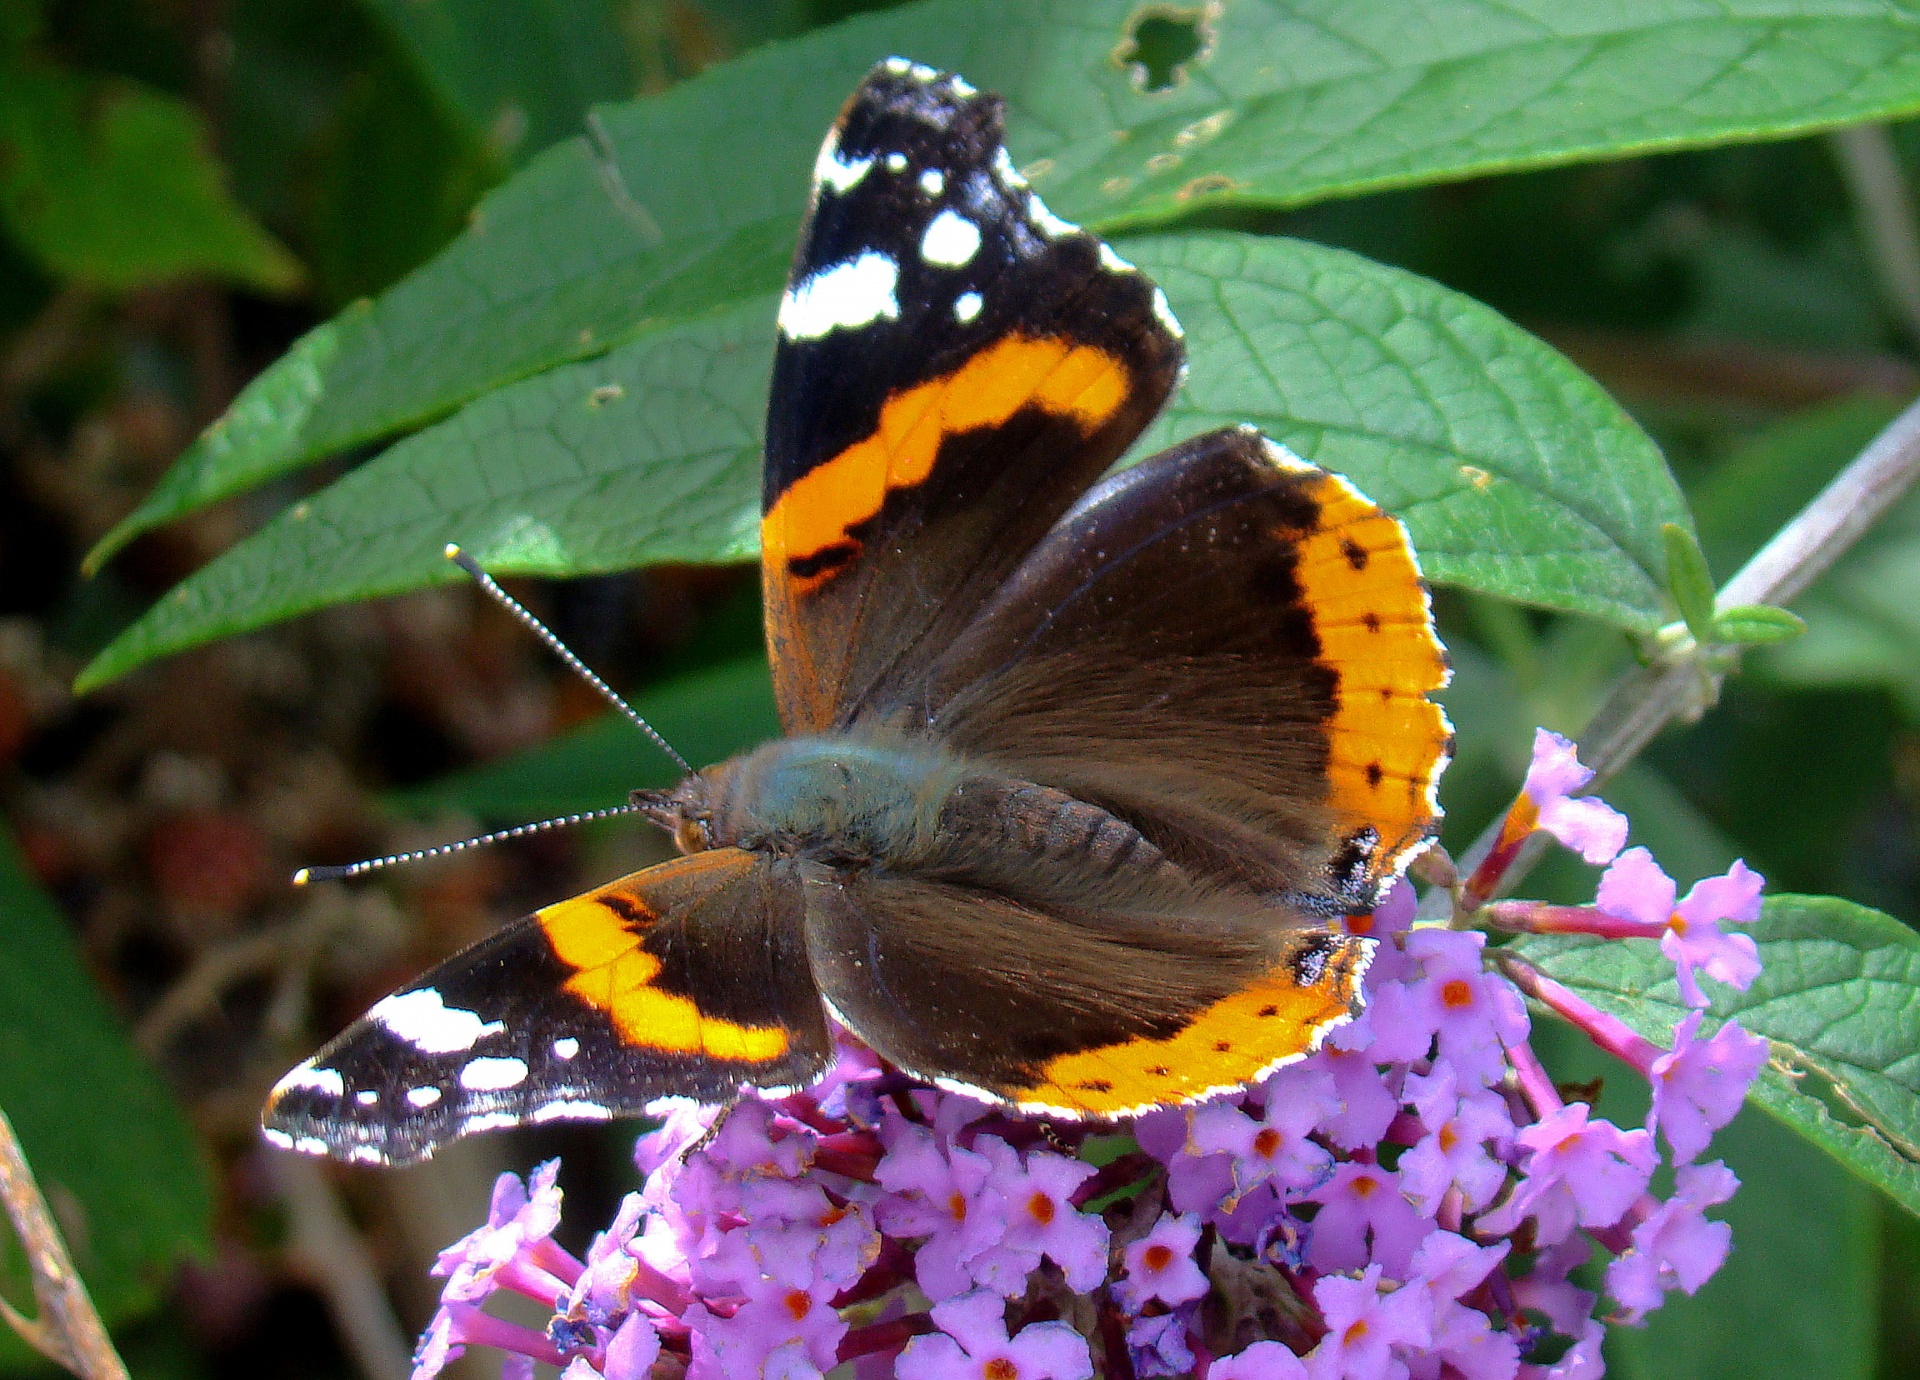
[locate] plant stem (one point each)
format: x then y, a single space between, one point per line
68 1331
1883 205
1647 699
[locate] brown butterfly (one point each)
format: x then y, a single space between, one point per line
1083 775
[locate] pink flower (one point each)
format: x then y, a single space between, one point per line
1454 1154
1700 1086
973 1342
775 1315
1635 887
1160 1265
1040 1221
1578 1173
1364 1218
1676 1247
1474 1015
943 1195
1274 1145
1261 1361
1363 1327
1590 827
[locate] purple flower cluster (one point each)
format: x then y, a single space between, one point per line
1409 1201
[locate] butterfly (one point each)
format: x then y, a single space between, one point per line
1088 782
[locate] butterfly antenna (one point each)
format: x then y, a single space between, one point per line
519 831
560 649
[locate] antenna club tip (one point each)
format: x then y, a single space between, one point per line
303 876
452 551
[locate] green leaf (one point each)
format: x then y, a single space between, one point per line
113 183
636 229
1440 409
520 76
1839 999
707 715
107 1142
1756 625
1688 580
1468 426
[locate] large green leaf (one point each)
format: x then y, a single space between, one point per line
107 1142
678 205
1448 414
1440 409
1838 998
113 183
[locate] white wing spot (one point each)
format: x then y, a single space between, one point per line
1166 317
841 297
830 169
366 1097
1046 222
896 162
1003 168
310 1145
563 1110
423 1097
565 1047
279 1138
491 1075
962 87
311 1079
427 1023
951 240
1112 262
933 182
967 306
366 1154
488 1121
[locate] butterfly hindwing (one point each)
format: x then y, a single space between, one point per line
954 365
689 979
1230 648
1071 1010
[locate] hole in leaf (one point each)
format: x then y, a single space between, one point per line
1161 41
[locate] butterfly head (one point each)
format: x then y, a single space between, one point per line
685 812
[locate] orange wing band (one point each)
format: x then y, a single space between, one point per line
1239 1039
599 934
824 508
1389 742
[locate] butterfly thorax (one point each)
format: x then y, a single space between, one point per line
834 797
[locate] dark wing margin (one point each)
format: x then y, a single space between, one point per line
1069 1012
954 366
686 980
1230 649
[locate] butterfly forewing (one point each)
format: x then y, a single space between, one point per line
689 979
954 365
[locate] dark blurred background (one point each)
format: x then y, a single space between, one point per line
1733 299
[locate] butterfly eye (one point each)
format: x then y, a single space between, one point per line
690 835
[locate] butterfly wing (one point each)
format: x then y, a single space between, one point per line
954 366
685 980
1232 650
1069 1010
